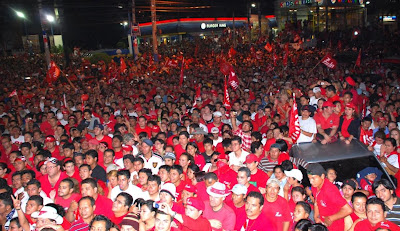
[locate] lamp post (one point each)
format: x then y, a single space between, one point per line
50 19
22 15
252 5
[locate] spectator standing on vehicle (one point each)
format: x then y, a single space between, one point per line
330 207
327 124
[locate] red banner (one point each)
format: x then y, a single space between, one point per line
233 79
329 61
227 102
181 77
53 73
268 47
294 124
358 61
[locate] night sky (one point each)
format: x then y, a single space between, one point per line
94 23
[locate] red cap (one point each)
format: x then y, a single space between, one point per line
127 148
381 118
94 141
20 158
223 156
251 158
50 139
327 104
351 105
196 202
350 81
190 188
155 129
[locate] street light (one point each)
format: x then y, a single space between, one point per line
20 14
253 5
50 19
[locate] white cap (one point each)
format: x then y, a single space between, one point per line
217 113
295 173
48 212
214 130
239 189
169 188
316 89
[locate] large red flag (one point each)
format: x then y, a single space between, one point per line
233 79
294 124
329 61
358 61
268 47
122 65
183 65
227 101
231 52
13 93
53 73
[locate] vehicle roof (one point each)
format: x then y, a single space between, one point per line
316 152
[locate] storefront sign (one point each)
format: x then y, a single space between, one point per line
296 3
347 1
204 26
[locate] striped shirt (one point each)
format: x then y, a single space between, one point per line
267 166
79 225
393 214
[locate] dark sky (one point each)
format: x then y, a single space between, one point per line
89 23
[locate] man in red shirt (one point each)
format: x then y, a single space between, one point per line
66 194
6 148
142 126
375 217
258 178
98 131
192 220
276 207
256 220
54 176
243 178
50 144
327 124
237 203
330 207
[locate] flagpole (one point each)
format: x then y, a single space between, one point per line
313 69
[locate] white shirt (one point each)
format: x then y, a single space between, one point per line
307 125
132 190
313 101
217 141
18 140
239 161
153 163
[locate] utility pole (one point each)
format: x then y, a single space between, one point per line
133 36
45 39
154 29
259 19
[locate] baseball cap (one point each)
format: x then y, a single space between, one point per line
196 202
155 129
52 160
20 158
99 126
295 173
127 148
327 104
218 189
94 141
169 188
48 212
239 189
251 158
350 183
50 139
214 130
315 169
199 131
316 89
350 81
217 113
148 142
351 105
190 188
169 155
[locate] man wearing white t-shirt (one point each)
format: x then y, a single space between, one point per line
125 185
317 95
307 125
238 156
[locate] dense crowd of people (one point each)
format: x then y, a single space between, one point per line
136 144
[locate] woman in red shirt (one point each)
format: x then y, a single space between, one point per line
193 150
349 124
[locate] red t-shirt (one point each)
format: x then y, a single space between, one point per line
277 211
365 225
66 202
224 215
106 139
252 188
117 220
326 123
104 206
240 213
259 179
47 187
178 152
179 189
146 129
261 223
329 201
202 191
200 224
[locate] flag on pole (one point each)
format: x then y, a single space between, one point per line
231 52
268 47
233 79
329 61
358 61
227 102
13 93
294 124
53 73
181 78
122 65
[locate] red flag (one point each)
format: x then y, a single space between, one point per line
233 79
358 61
183 65
227 102
294 124
172 63
285 59
198 95
231 52
122 64
329 61
13 93
268 47
275 58
53 73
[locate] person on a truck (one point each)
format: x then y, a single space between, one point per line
327 124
